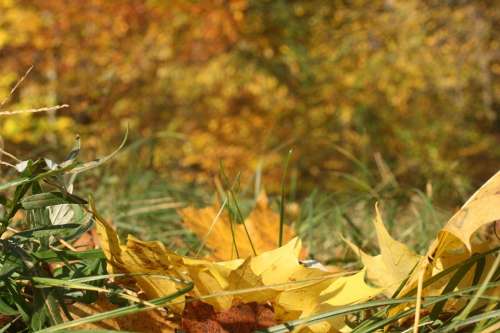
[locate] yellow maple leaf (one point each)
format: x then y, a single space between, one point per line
262 225
389 269
453 243
274 276
340 293
140 257
483 207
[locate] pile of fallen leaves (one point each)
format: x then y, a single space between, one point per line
249 283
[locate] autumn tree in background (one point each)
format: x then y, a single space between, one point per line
408 85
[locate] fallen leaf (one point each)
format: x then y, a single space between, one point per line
396 261
482 208
342 290
150 321
262 225
274 277
141 257
453 243
240 318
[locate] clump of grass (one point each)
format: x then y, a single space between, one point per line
410 214
41 273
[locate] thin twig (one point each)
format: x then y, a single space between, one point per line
7 164
46 109
216 218
418 304
18 83
6 153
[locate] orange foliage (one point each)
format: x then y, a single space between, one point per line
262 225
244 80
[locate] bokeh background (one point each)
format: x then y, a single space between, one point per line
367 93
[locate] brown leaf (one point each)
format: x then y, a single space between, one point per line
87 241
241 318
150 321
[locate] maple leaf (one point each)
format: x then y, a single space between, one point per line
483 207
199 317
262 225
393 265
453 243
273 277
150 321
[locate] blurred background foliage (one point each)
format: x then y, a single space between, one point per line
364 92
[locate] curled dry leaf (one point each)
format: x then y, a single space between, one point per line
482 208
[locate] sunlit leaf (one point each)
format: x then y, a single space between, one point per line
274 277
393 265
262 225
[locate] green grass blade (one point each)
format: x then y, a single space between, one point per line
363 328
47 199
450 269
469 321
480 264
290 325
452 284
94 164
14 182
282 201
126 310
472 303
56 256
438 276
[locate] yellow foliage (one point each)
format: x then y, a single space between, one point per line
454 244
262 225
274 276
242 82
389 269
480 209
295 291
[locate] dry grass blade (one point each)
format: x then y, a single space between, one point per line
7 164
418 305
6 153
215 219
45 109
126 310
282 286
18 83
83 286
493 328
152 208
